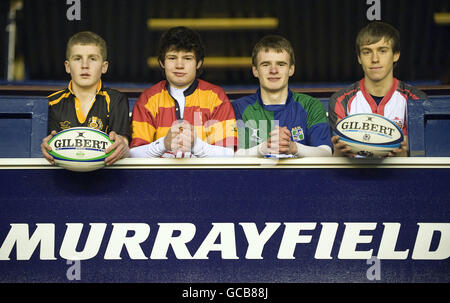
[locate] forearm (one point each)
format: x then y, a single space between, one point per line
313 151
202 149
153 150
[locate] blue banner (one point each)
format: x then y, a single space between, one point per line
204 225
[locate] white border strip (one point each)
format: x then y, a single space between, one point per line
245 163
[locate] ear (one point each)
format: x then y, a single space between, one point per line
255 71
67 66
105 67
359 59
199 64
396 56
291 70
161 64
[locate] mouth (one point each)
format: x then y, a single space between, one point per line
377 68
273 79
85 75
179 74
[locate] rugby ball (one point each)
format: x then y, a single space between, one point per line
369 135
80 148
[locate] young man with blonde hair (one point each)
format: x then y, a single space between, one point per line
276 122
379 92
86 102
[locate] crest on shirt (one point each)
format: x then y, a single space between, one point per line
399 122
297 134
64 125
95 122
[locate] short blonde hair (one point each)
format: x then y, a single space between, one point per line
85 38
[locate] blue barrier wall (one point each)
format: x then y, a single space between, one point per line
330 221
429 127
23 124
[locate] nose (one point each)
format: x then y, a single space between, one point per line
85 63
375 57
273 69
179 63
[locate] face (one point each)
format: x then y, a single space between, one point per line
377 60
180 68
273 70
85 65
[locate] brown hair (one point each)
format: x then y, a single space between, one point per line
374 32
273 42
85 38
181 38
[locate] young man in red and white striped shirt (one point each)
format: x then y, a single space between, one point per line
379 92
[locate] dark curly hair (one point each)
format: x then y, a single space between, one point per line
181 39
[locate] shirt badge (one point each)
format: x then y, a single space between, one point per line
297 134
95 122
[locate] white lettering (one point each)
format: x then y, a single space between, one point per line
423 242
25 246
119 239
326 240
72 237
351 238
227 245
292 236
256 241
388 242
164 239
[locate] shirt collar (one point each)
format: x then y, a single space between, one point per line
99 87
189 90
274 107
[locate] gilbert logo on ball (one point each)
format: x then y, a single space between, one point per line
369 135
80 148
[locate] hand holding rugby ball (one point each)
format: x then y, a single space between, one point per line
80 149
369 135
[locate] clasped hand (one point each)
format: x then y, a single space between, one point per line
181 137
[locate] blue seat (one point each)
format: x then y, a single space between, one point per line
23 124
429 127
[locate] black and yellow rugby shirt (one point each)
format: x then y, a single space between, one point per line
109 111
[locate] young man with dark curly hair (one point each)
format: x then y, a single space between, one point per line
182 116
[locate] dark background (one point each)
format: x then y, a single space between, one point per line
322 33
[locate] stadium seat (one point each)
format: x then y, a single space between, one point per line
429 127
23 124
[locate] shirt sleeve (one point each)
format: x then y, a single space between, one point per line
143 126
119 120
332 115
52 122
221 128
318 132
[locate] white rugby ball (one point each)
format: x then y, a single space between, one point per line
369 135
80 148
